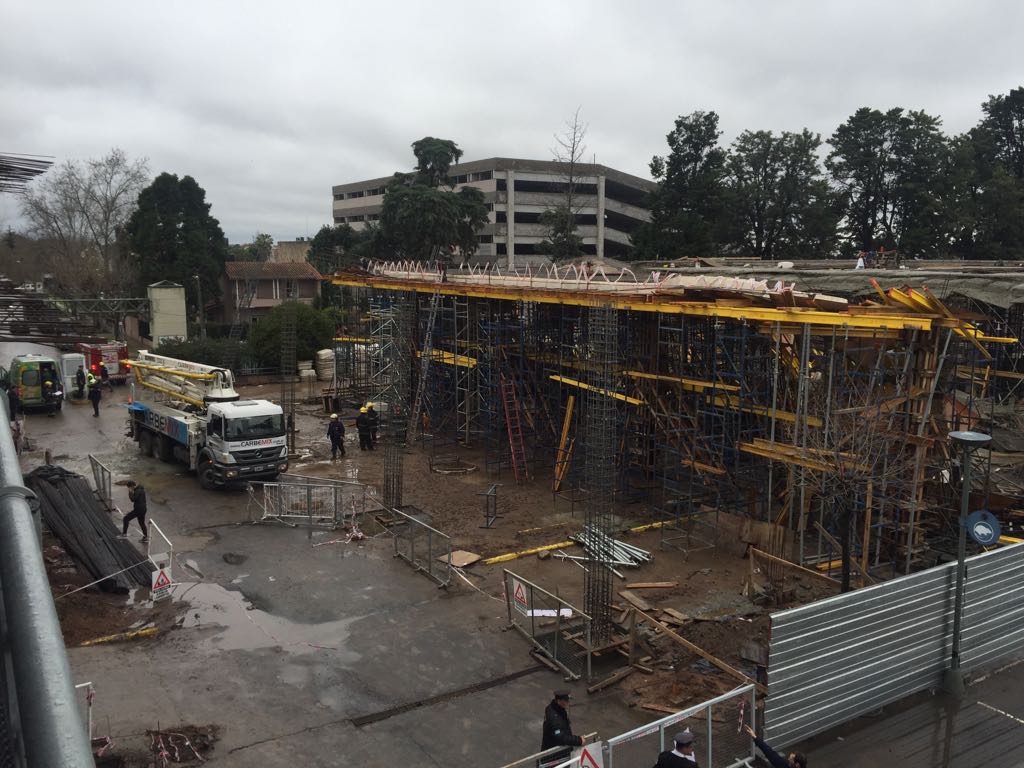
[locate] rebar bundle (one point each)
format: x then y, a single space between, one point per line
600 430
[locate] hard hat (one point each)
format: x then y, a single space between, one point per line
334 415
369 405
50 384
363 409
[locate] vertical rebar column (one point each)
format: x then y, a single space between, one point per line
288 362
600 430
400 333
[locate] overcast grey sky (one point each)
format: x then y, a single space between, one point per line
267 104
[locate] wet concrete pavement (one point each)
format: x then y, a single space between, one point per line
282 644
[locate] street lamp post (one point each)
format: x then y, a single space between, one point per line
953 680
199 301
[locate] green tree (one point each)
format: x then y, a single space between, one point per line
423 217
1004 124
688 211
562 242
314 331
889 168
175 237
780 204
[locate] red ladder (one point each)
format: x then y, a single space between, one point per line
515 429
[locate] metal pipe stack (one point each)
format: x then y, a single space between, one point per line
608 550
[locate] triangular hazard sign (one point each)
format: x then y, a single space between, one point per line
587 760
162 580
520 593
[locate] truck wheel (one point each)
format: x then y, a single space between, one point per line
165 449
146 442
207 475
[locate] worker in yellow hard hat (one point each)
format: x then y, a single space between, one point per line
363 427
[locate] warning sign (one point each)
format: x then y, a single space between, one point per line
592 756
161 584
519 599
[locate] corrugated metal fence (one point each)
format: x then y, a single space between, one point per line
835 659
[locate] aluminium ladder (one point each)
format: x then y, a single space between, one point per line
515 429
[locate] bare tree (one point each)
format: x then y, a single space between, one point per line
562 241
80 209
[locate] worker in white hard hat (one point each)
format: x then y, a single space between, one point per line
363 426
336 434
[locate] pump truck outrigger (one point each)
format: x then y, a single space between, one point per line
192 413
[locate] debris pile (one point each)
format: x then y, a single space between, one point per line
72 512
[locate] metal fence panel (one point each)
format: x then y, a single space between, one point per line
422 546
323 503
102 479
838 658
716 723
555 627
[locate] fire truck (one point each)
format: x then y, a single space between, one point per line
191 413
114 354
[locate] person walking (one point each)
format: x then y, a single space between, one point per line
682 755
94 397
558 729
363 427
137 494
374 422
336 434
793 760
80 382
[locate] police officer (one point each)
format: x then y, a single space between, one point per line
94 397
557 729
364 428
336 434
680 757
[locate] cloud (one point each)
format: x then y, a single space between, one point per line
268 104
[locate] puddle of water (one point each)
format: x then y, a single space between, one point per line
241 627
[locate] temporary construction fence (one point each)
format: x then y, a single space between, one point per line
425 548
102 480
556 627
317 502
717 725
835 659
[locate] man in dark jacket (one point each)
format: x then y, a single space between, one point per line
336 434
94 397
138 496
557 730
794 759
80 382
374 419
363 427
680 757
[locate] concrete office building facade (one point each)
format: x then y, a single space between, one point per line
610 204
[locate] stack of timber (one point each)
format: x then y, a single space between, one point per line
72 512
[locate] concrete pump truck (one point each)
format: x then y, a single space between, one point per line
193 414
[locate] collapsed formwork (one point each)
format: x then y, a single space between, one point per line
827 419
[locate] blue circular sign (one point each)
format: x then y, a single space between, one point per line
983 527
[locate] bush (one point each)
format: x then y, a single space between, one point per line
204 351
314 330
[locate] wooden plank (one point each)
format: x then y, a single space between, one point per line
460 558
645 669
793 566
652 585
677 615
635 600
853 561
731 671
652 707
611 679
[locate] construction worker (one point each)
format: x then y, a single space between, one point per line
80 382
49 397
364 429
105 376
90 379
557 729
137 494
374 423
680 757
336 434
94 397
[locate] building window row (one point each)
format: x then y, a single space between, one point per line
465 178
374 192
357 219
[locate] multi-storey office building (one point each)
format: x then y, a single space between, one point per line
610 205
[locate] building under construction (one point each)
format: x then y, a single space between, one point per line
698 395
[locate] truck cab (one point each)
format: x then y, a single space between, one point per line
246 439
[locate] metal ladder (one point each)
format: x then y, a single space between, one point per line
426 355
515 429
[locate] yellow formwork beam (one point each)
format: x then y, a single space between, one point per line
692 384
355 339
450 358
645 303
605 392
731 401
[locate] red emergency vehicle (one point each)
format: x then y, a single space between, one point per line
114 354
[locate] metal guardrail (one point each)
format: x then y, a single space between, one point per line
422 546
316 502
555 627
42 724
101 476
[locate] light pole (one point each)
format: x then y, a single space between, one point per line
199 301
953 679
